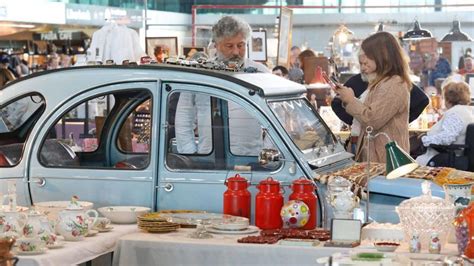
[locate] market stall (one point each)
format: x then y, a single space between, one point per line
178 249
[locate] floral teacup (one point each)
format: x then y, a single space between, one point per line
102 223
48 238
30 244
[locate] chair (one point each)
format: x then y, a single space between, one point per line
448 158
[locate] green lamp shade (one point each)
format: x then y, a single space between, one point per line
399 163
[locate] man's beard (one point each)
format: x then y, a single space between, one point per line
364 77
368 77
236 59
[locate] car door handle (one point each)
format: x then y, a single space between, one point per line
168 187
40 181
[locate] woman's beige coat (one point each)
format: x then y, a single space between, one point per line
386 110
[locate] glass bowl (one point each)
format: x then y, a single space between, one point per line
426 214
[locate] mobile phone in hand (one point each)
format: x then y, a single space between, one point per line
335 79
334 85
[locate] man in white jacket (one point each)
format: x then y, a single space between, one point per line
230 35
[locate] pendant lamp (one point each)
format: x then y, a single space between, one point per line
417 33
456 34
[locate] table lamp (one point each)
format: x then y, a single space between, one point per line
399 163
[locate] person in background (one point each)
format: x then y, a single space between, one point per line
301 59
468 67
294 72
436 67
53 61
468 53
451 129
14 65
24 69
230 35
313 101
159 54
359 83
5 74
280 71
386 105
64 61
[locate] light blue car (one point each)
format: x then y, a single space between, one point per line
162 136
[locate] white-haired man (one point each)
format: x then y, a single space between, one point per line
230 35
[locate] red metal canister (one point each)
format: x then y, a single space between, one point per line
237 197
303 189
268 204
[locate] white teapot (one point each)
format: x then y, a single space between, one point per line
13 223
37 226
73 222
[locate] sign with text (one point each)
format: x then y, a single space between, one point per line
59 36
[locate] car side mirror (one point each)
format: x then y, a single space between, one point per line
267 156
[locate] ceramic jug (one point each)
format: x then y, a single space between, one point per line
13 224
37 226
73 222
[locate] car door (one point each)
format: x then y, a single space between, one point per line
98 146
17 120
206 141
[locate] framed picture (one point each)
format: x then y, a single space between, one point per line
284 36
470 81
189 51
167 46
258 46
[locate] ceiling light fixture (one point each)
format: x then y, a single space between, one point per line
417 33
456 34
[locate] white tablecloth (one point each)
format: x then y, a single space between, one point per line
177 249
81 251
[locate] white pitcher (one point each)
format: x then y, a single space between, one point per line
73 223
13 223
37 226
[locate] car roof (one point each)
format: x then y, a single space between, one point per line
264 84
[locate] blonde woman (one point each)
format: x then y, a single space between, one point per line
385 107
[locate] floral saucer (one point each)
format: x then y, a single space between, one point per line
33 252
56 244
92 232
103 230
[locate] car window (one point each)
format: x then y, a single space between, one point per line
135 132
107 131
207 132
16 113
17 119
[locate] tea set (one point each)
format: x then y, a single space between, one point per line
34 233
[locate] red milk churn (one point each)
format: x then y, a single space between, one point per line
303 189
268 204
237 197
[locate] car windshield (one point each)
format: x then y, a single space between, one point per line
15 114
305 128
